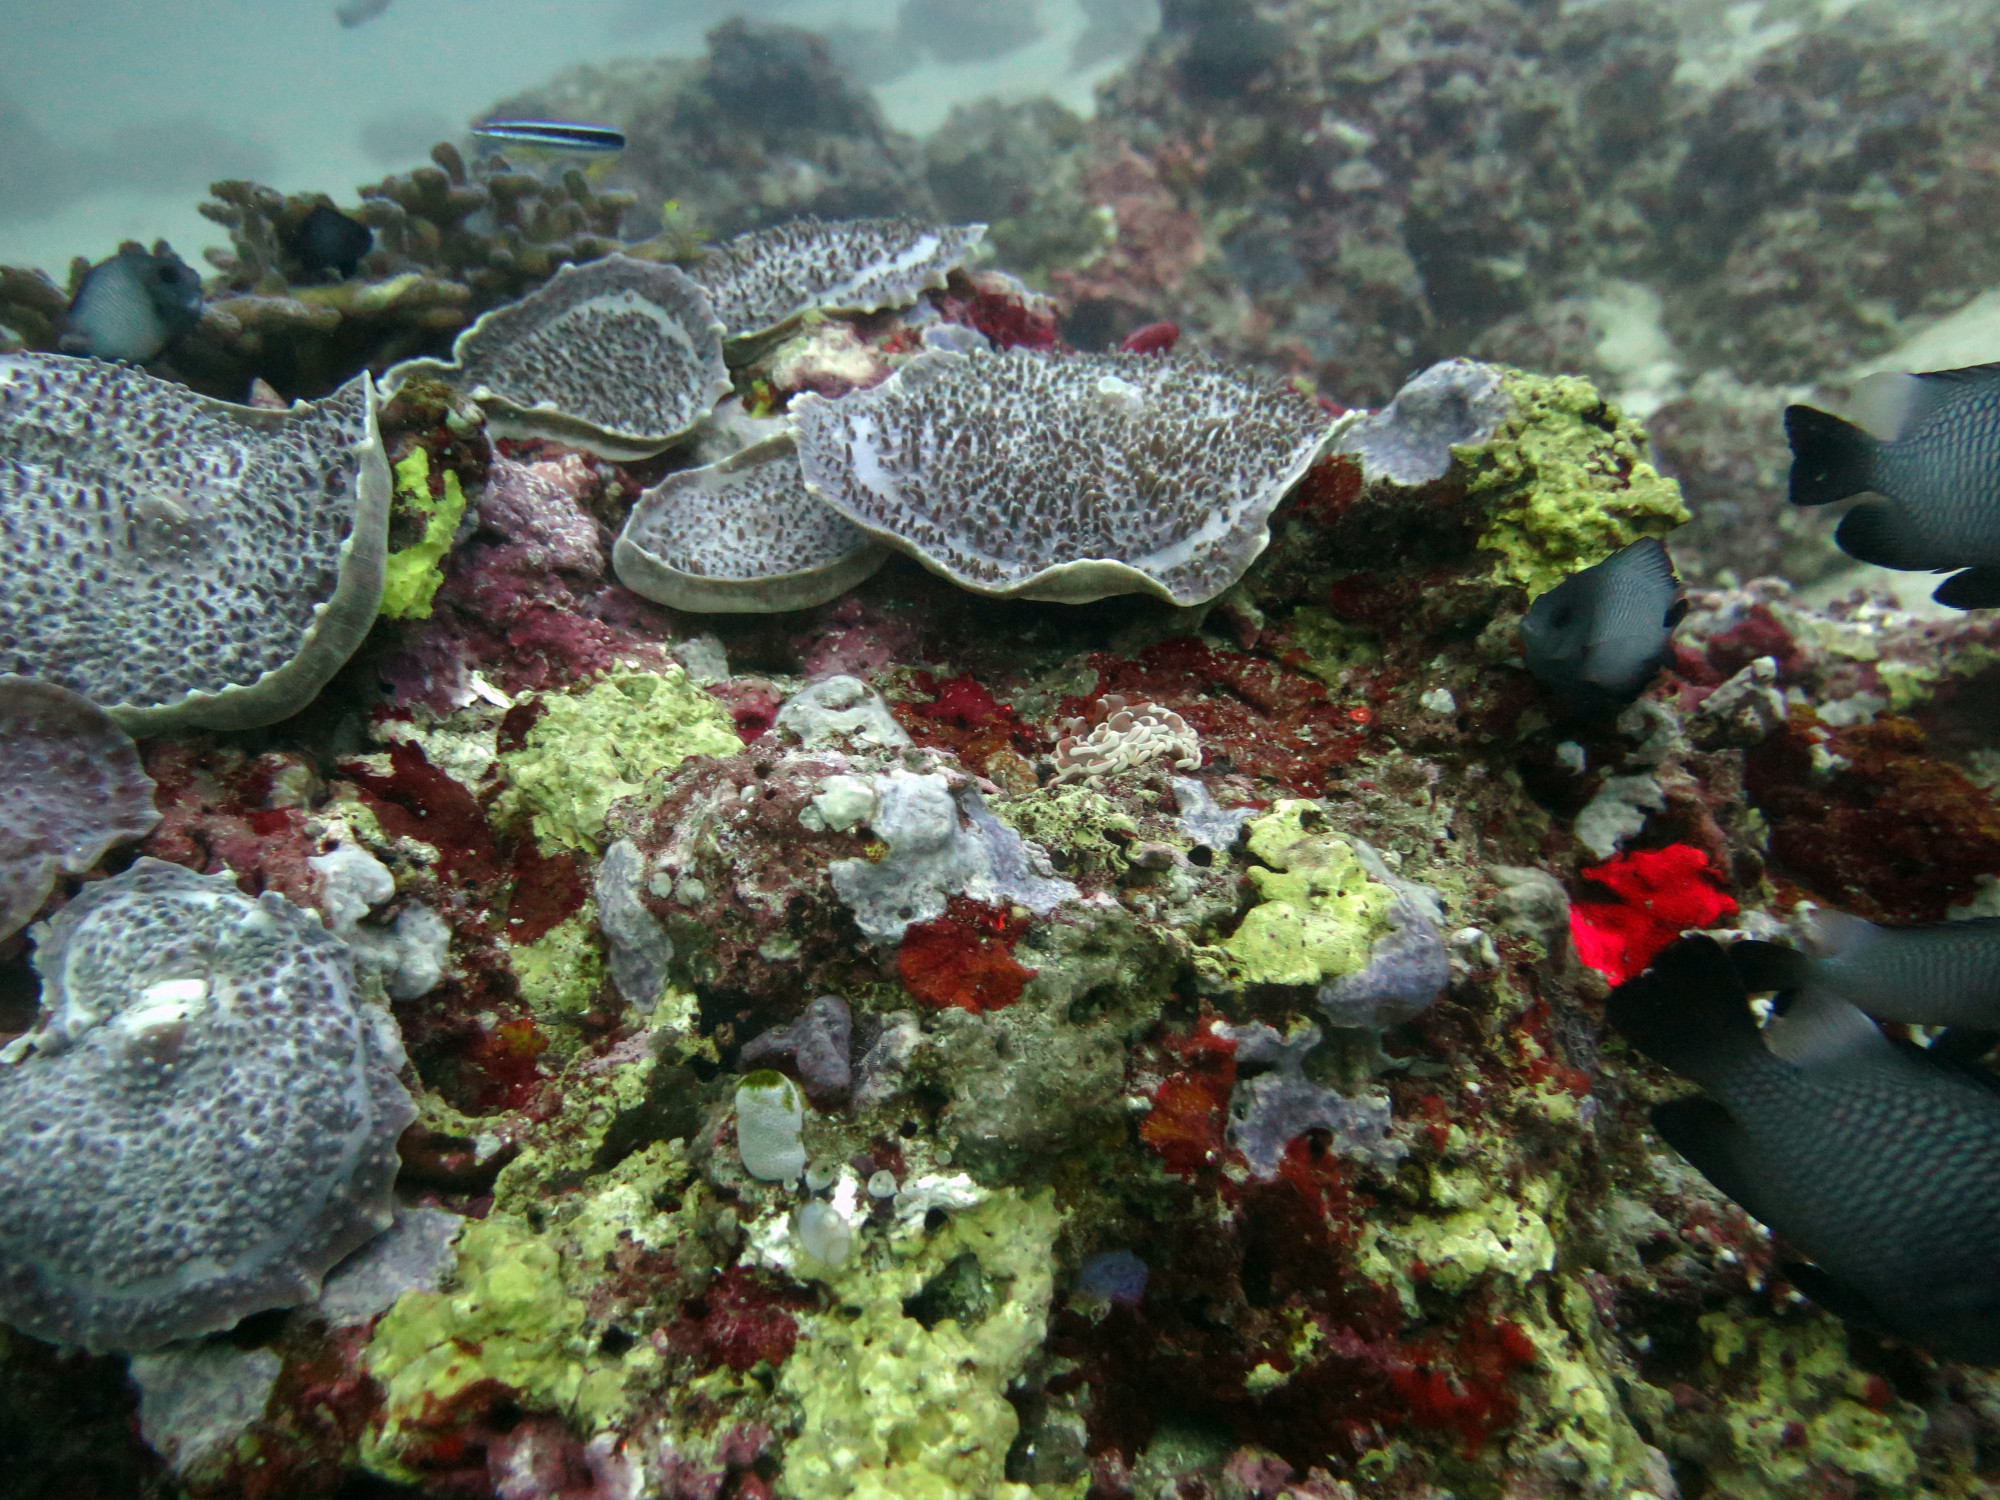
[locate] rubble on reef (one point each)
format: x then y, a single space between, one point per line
875 1037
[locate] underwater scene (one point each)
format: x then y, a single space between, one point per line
1000 750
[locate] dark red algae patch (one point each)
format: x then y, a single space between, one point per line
965 718
1191 1104
1250 714
417 800
1885 829
963 960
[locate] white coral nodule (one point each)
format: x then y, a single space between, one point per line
1129 738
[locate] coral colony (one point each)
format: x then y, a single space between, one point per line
653 862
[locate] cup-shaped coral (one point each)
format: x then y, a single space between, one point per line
180 561
1042 477
71 786
204 1121
741 536
620 356
761 281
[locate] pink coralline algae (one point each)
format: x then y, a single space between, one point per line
526 602
70 787
1647 898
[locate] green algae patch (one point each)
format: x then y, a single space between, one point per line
507 1318
1076 820
562 972
1320 913
1794 1406
590 749
1331 647
1564 482
410 577
1483 1233
893 1410
1581 1425
595 1091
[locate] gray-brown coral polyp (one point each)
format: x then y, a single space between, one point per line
179 561
620 356
1037 476
741 536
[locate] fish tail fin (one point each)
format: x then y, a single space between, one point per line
1831 458
1688 1011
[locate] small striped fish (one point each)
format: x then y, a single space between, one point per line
555 135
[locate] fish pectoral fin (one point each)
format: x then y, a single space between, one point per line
1833 1294
1975 588
1719 1148
1819 1031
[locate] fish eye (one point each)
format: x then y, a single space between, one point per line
1561 618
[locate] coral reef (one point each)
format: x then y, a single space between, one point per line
913 1039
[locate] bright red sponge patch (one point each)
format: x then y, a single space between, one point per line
1647 898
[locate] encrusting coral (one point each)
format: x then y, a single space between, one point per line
761 281
743 534
620 357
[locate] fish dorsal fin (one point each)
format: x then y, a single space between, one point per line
1839 934
1893 406
1822 1031
1645 560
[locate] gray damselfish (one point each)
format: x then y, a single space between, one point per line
1876 1160
1929 445
1600 635
1942 975
131 305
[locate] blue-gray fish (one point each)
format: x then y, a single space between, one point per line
1929 446
1600 635
130 306
1942 975
1878 1161
352 13
554 135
